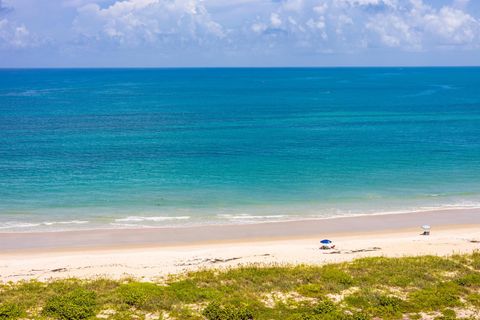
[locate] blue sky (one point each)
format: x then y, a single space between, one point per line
163 33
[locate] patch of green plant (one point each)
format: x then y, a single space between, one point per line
360 316
334 279
474 299
469 280
389 305
327 311
325 307
264 279
24 294
10 311
75 305
215 311
143 295
312 290
436 297
377 304
474 260
402 272
189 291
447 314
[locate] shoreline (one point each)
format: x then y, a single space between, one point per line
284 219
231 233
153 254
243 220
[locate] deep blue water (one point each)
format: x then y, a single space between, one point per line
133 147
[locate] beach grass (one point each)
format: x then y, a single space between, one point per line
370 288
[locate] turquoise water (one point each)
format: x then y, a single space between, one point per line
117 148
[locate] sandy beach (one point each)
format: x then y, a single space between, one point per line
150 254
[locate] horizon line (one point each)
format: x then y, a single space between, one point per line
241 67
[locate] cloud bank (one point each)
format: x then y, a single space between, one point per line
134 22
349 25
233 28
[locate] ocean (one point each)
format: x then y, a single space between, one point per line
136 148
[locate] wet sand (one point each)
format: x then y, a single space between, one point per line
122 238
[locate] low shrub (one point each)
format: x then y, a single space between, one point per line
474 299
143 295
189 292
312 290
475 260
447 314
325 310
325 307
10 311
470 280
377 305
329 316
75 305
436 297
215 311
335 279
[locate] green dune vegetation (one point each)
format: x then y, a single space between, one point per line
426 287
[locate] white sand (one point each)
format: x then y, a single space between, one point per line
151 263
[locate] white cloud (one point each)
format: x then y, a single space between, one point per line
148 21
15 36
178 30
350 25
321 8
388 3
422 27
259 27
453 26
394 31
275 20
80 3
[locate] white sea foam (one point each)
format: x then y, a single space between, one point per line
24 225
444 207
251 217
155 219
18 225
50 223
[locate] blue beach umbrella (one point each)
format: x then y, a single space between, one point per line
325 241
